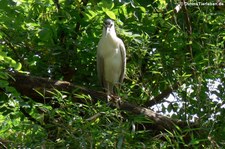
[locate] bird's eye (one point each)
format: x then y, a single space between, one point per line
108 25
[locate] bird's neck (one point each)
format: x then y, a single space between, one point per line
111 36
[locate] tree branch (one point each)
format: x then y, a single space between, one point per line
158 99
39 90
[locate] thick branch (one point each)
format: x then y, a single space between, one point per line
160 122
30 86
39 89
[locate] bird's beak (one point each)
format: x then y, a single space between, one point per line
107 29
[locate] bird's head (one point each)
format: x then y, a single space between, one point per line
109 28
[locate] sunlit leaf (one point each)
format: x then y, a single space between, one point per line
1 58
142 9
17 66
110 14
123 9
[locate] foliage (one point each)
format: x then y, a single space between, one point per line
57 39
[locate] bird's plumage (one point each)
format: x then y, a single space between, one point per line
111 58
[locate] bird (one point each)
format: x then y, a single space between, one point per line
111 59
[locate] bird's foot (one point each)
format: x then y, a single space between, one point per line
109 98
115 100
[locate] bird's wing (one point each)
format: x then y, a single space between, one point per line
100 69
123 56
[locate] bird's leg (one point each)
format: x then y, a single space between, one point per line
114 89
117 91
108 92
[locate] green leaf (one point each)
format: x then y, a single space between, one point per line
107 4
120 142
110 14
2 55
90 14
3 75
17 66
13 63
1 58
44 34
142 9
123 10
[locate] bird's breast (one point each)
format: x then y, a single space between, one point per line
111 54
108 49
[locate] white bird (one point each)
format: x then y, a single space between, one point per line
111 58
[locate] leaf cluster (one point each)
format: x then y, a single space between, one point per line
169 54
